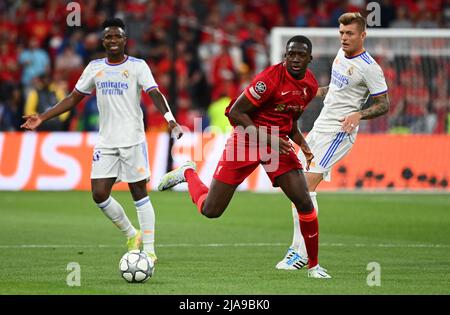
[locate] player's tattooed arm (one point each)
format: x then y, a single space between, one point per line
379 107
322 91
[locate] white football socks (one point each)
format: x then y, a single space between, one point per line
114 211
298 243
146 217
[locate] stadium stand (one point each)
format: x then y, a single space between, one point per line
220 45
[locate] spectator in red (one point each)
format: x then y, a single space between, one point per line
68 61
414 109
186 116
299 13
321 17
441 103
222 70
270 11
8 29
38 27
9 69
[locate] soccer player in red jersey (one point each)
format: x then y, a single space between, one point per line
264 117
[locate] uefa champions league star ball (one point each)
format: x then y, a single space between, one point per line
135 266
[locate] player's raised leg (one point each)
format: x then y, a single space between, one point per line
146 216
218 198
101 193
211 202
293 184
296 255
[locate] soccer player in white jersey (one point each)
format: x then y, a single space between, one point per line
121 151
355 76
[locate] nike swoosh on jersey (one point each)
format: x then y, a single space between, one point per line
284 93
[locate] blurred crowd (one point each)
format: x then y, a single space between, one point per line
213 47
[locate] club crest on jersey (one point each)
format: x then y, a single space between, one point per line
303 94
350 70
125 74
260 87
96 156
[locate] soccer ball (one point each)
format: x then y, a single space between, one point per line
136 266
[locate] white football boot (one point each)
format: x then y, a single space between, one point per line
176 176
318 272
292 261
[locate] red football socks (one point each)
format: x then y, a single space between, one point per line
309 225
197 189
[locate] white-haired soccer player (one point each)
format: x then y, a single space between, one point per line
355 76
121 151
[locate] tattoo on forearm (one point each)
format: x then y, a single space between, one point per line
379 107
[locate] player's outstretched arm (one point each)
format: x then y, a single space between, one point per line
33 121
297 136
239 115
163 107
322 91
379 107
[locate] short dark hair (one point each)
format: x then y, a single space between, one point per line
300 39
114 22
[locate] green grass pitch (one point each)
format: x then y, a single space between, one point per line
408 235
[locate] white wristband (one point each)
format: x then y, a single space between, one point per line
169 116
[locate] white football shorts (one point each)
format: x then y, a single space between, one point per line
127 164
328 149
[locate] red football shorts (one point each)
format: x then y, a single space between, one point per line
239 160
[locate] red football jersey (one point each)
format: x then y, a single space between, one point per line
279 98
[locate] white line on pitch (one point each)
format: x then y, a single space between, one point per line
230 245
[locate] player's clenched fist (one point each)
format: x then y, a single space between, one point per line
175 130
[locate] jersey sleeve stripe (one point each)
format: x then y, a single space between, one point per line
81 92
366 58
355 56
151 88
250 98
376 94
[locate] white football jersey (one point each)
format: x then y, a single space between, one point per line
118 88
352 81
